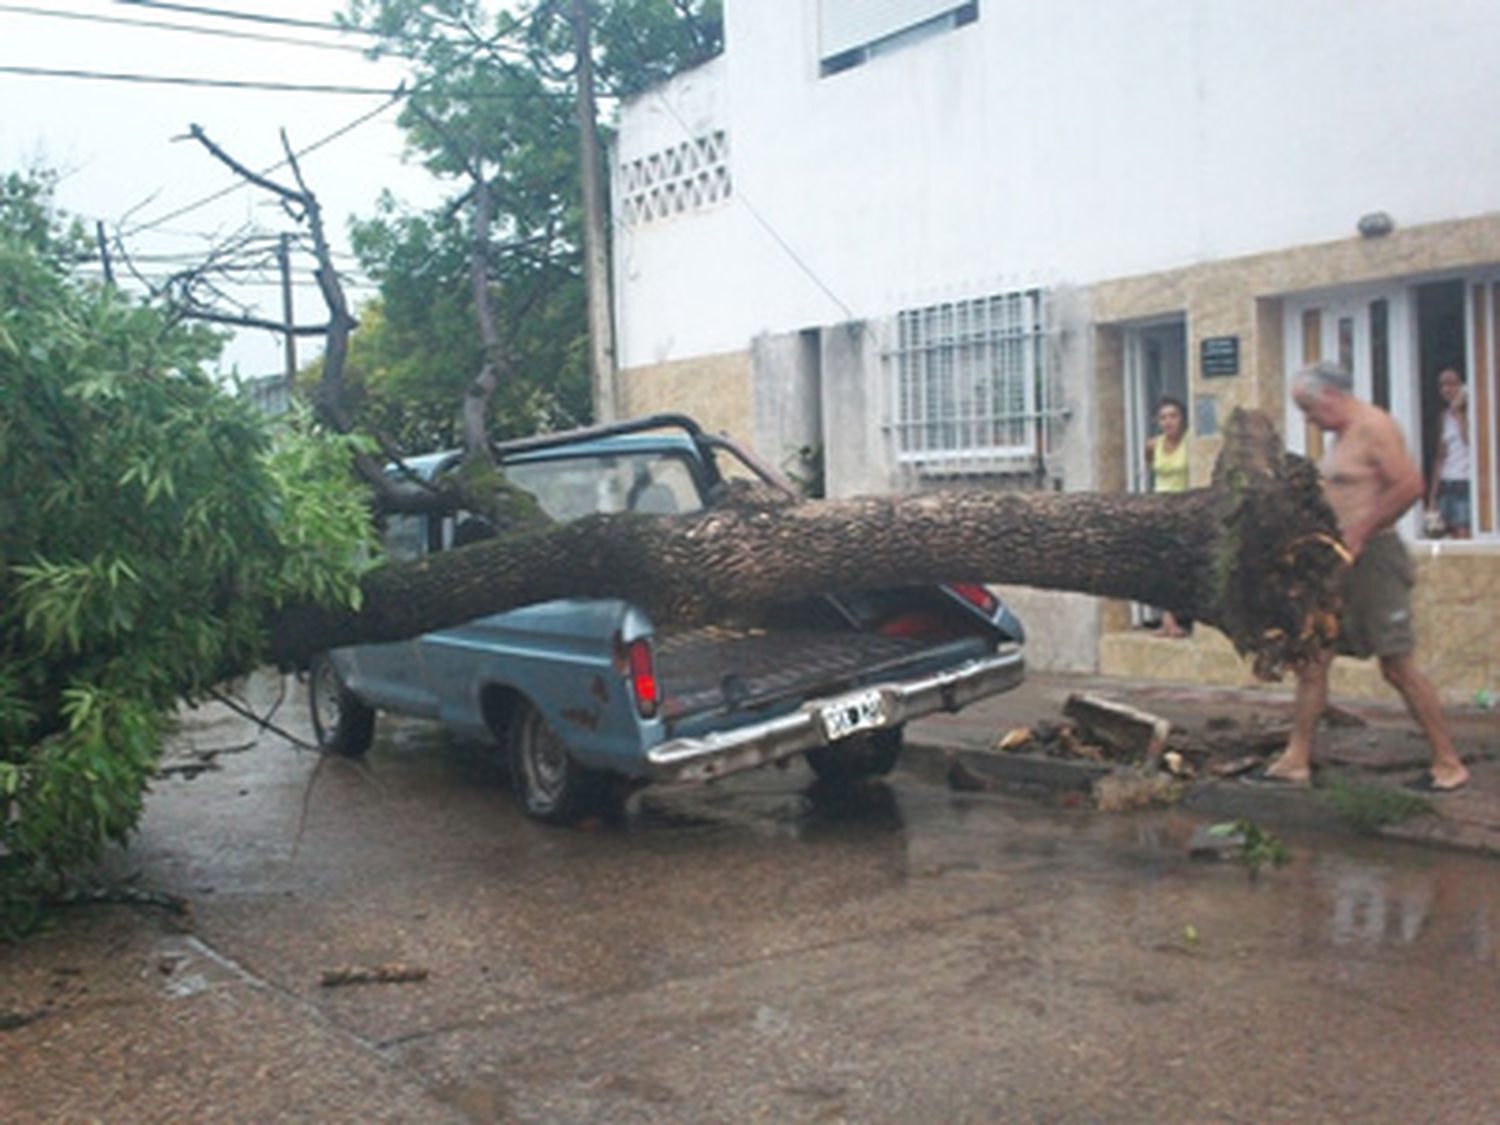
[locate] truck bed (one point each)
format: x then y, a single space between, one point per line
719 669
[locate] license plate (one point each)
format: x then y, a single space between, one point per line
853 714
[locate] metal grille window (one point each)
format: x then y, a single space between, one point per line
972 384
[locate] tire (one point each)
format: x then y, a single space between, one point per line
341 722
858 758
551 786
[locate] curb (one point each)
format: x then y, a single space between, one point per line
1222 799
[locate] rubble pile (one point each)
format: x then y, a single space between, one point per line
1141 758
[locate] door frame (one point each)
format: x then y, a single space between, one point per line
1352 303
1138 409
1138 420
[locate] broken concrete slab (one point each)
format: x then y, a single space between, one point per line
972 772
1129 731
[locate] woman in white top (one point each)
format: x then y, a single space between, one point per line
1448 494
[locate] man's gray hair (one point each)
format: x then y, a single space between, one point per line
1325 375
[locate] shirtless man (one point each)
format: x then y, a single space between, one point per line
1370 480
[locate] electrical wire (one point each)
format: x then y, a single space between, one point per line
216 83
740 196
240 185
765 224
190 258
157 224
291 21
276 87
159 25
236 14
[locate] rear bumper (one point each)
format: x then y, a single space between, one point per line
723 753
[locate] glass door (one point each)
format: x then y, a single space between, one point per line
1369 333
1155 368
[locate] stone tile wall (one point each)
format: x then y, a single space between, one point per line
713 389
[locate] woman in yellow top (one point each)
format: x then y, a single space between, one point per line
1166 458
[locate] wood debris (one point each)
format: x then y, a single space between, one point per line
1016 738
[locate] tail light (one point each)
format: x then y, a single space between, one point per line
644 686
977 596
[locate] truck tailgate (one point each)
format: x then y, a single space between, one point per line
721 669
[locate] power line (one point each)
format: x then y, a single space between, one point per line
252 17
240 185
358 121
739 194
291 21
175 80
277 87
239 282
223 33
190 258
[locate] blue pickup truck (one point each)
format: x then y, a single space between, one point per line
588 696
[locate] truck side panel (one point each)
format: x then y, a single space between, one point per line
561 656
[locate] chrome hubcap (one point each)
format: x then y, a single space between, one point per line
327 698
546 764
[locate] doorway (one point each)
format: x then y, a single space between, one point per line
1155 368
1394 339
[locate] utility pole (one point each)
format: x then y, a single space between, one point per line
109 269
595 250
284 257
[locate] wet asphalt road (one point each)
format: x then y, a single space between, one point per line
753 951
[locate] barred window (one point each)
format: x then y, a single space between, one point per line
972 384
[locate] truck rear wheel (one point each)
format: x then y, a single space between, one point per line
549 784
342 723
863 756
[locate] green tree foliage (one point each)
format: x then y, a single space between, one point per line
26 216
644 42
494 98
417 348
149 525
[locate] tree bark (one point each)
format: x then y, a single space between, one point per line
1255 554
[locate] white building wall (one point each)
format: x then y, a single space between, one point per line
1063 142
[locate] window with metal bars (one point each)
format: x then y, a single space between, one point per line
971 384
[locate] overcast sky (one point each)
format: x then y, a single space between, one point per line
113 140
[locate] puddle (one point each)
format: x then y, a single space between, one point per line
1337 895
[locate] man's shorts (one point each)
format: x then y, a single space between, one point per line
1376 620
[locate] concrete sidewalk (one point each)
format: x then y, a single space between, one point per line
1364 760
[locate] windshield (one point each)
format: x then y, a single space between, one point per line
653 483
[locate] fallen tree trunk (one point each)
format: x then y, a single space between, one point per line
1256 554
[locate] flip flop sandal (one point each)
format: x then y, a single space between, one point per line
1426 784
1260 779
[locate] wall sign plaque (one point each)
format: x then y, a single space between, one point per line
1219 356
